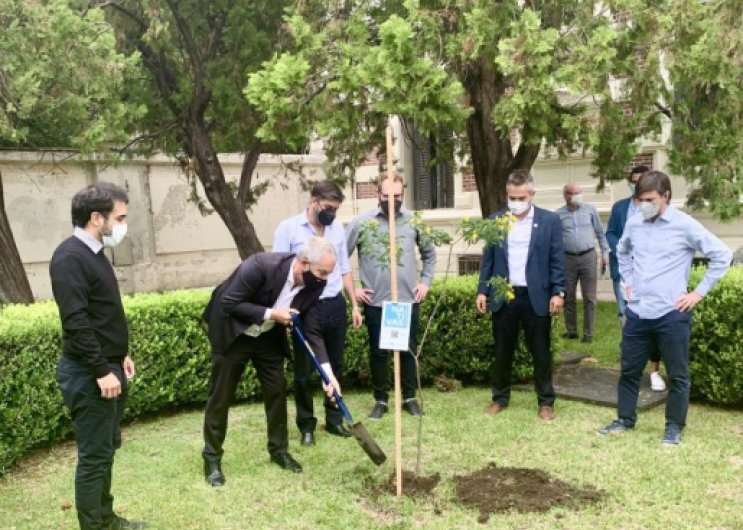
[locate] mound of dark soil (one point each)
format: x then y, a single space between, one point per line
495 489
412 486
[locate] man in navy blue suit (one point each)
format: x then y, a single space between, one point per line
533 260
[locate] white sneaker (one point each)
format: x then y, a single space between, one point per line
657 384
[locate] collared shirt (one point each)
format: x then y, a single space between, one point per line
519 238
285 299
663 251
632 210
293 233
376 276
580 227
92 243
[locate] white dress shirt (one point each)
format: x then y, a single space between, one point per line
519 238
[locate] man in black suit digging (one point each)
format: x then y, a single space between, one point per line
247 316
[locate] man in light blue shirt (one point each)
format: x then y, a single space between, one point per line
655 255
581 226
325 324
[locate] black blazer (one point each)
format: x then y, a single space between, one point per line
242 299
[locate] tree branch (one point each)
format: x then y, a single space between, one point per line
126 12
189 43
149 136
246 174
664 110
215 36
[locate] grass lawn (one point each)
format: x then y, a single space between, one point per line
606 335
158 472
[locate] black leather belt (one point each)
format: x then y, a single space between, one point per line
517 289
580 253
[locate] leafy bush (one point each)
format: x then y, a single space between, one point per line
716 354
169 345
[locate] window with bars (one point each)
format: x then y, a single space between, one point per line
469 264
433 183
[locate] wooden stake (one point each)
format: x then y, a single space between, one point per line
393 280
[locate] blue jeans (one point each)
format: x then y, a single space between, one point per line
671 334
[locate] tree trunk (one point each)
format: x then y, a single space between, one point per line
220 196
14 286
490 150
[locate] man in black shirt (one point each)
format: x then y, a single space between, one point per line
95 364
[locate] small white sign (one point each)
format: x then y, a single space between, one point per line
395 334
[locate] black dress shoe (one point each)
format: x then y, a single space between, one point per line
586 339
285 461
213 473
307 439
119 523
411 405
569 335
338 430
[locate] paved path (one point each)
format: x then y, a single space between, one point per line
581 382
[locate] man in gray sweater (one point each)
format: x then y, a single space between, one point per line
376 287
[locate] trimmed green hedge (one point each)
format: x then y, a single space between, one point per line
716 355
169 345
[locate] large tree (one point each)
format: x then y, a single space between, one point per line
196 57
60 79
517 77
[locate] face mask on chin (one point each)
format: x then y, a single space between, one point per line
385 206
518 207
576 199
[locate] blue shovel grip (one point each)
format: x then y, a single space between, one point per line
298 331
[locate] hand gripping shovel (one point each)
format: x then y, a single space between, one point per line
359 432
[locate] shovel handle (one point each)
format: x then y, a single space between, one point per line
298 331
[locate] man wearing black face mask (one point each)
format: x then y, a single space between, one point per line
247 317
377 288
325 325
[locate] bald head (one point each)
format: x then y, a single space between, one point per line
572 193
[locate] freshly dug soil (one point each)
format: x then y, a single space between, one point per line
495 489
412 486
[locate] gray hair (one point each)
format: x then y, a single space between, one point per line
315 249
521 177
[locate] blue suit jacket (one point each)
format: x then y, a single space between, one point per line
614 231
545 264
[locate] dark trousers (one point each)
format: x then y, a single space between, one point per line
97 425
378 364
324 327
267 354
671 334
507 323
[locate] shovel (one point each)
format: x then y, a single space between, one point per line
358 431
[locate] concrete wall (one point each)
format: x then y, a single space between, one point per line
170 245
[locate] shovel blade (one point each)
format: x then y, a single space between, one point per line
367 443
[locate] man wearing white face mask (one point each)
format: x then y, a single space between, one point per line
533 260
620 213
655 256
581 226
95 365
